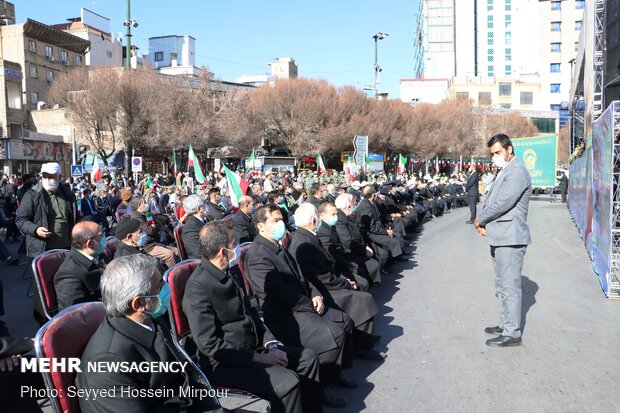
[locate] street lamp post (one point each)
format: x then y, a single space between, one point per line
128 23
377 37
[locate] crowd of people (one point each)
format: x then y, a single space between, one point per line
311 249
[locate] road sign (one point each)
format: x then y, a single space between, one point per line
77 170
360 143
136 164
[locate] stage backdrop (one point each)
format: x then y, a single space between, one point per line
539 154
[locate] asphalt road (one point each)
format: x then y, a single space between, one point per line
433 312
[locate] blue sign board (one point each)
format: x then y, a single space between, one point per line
77 170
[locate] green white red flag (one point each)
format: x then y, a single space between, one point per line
237 187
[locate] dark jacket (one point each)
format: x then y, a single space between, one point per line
222 324
285 297
77 280
151 231
472 184
349 234
32 214
318 267
119 339
245 231
215 212
329 240
190 234
122 250
369 218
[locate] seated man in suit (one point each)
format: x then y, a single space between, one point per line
371 226
214 210
190 232
131 237
245 231
233 348
77 279
326 232
352 241
90 212
141 212
133 331
292 308
317 266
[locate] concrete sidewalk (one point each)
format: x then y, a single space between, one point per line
434 310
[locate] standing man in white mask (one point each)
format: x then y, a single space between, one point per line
504 221
47 214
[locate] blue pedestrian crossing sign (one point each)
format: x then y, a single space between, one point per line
77 170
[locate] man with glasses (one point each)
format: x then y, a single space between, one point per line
77 279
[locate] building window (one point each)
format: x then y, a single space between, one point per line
508 25
508 7
49 76
33 71
555 88
34 98
508 18
505 89
78 60
14 95
490 70
32 46
489 7
462 95
64 56
527 98
484 98
555 68
490 52
578 25
490 18
490 41
556 5
508 38
508 70
159 56
556 47
580 4
556 26
49 52
576 46
490 58
554 108
108 54
489 25
508 53
505 105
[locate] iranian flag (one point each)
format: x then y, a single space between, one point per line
319 164
367 161
349 169
237 187
402 162
96 173
174 161
192 160
250 160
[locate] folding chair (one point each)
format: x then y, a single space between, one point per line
243 249
179 239
66 335
177 277
44 268
110 248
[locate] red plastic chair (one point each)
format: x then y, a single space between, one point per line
286 240
177 277
110 248
179 239
243 249
44 268
66 335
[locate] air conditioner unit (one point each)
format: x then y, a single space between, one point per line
66 63
51 58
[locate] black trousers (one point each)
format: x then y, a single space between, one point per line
472 201
294 388
368 267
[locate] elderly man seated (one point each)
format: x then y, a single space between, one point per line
195 209
233 347
131 237
77 279
134 332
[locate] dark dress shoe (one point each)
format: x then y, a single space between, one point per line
328 398
504 341
494 330
373 355
346 382
469 222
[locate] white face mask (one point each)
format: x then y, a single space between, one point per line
499 161
49 184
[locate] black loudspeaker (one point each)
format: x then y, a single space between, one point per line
612 64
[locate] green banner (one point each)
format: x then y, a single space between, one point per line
539 154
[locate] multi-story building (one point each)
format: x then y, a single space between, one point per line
32 54
105 49
281 68
475 42
174 55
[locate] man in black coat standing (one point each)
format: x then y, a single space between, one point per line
233 346
317 266
292 308
190 232
245 231
77 278
371 226
134 333
472 192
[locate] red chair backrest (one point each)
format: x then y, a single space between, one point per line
67 335
243 248
44 268
177 277
110 247
179 239
286 240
